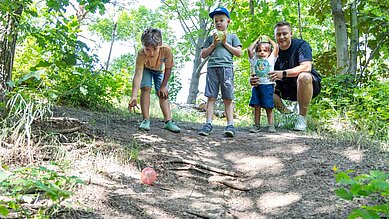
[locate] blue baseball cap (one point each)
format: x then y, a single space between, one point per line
220 10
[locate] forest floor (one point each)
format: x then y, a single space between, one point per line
253 175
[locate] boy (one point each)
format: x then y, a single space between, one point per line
220 48
262 62
154 62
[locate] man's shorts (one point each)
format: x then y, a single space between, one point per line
149 76
220 77
262 96
287 88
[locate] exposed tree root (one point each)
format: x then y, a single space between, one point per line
206 167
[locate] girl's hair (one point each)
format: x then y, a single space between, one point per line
266 44
152 37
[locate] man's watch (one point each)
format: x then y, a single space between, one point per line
284 74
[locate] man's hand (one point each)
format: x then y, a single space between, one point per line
275 75
254 80
163 92
132 105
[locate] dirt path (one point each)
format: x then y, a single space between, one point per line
281 175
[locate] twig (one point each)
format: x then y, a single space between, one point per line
200 215
69 130
206 167
231 185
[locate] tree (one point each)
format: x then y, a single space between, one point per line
196 24
11 14
341 36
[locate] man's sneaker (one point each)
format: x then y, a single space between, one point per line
256 128
271 129
171 126
145 125
301 123
206 130
229 131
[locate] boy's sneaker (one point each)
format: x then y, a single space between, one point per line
256 128
301 123
229 131
145 125
271 129
206 130
171 126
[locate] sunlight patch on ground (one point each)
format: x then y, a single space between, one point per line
256 165
154 212
270 201
300 173
290 149
148 138
185 193
353 155
214 143
241 203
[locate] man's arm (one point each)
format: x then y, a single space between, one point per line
292 72
303 67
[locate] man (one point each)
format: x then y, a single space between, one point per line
296 79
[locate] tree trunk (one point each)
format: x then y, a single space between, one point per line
8 36
194 82
354 38
341 36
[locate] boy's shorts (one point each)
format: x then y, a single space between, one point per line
220 77
262 96
287 88
149 76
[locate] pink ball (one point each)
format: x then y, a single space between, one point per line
148 175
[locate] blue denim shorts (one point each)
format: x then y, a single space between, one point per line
262 96
149 76
220 78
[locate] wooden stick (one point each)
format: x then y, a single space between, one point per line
206 167
69 130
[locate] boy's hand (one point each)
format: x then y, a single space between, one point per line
216 39
163 92
132 105
254 80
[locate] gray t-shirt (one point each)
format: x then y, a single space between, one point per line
220 56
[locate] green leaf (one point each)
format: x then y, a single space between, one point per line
344 194
344 178
4 211
360 213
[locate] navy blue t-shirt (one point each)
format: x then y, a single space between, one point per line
299 51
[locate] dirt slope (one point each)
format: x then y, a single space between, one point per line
282 175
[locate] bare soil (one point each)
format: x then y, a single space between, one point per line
281 175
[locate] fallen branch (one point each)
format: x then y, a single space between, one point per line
69 130
233 186
206 167
200 215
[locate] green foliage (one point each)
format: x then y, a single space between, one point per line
373 187
363 106
34 184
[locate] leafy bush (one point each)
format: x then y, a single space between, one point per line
34 185
364 106
373 188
